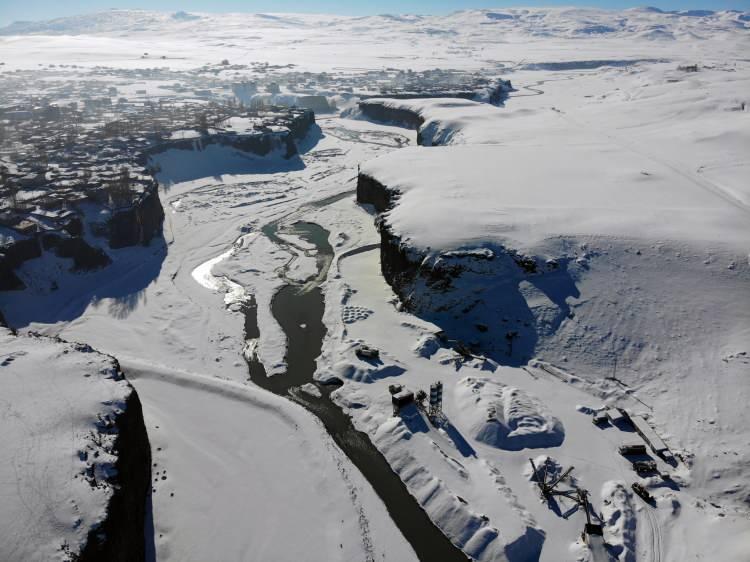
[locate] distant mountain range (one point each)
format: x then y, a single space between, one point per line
648 22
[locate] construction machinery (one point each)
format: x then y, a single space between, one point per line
547 488
645 467
632 449
642 492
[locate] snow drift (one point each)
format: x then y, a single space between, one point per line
506 417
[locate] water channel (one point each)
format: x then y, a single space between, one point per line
298 308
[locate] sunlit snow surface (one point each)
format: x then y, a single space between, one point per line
660 279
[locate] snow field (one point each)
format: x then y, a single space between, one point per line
57 404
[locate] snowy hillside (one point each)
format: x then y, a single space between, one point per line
547 231
572 249
76 459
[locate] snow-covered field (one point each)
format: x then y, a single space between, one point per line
632 176
58 445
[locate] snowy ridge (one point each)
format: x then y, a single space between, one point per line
61 408
534 22
478 536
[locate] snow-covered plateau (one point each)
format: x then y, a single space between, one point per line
76 457
577 251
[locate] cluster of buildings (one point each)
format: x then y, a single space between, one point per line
80 168
363 84
75 142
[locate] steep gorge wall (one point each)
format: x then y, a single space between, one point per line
399 264
121 536
260 144
429 132
11 257
472 294
378 111
138 224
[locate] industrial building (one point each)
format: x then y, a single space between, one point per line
648 434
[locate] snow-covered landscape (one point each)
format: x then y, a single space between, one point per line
544 210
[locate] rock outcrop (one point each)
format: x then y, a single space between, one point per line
12 256
85 257
260 142
383 113
120 538
472 294
137 224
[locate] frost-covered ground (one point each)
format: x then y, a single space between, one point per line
629 192
57 442
661 282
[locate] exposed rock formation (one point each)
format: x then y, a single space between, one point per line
12 256
301 124
318 104
377 111
123 528
138 224
381 110
480 286
261 142
85 257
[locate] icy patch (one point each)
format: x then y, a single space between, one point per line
233 292
506 417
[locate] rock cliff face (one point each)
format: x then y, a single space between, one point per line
261 142
377 111
301 125
85 257
138 224
399 263
473 294
11 257
120 538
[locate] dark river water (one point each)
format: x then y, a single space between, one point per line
302 304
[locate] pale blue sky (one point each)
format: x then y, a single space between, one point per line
12 10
